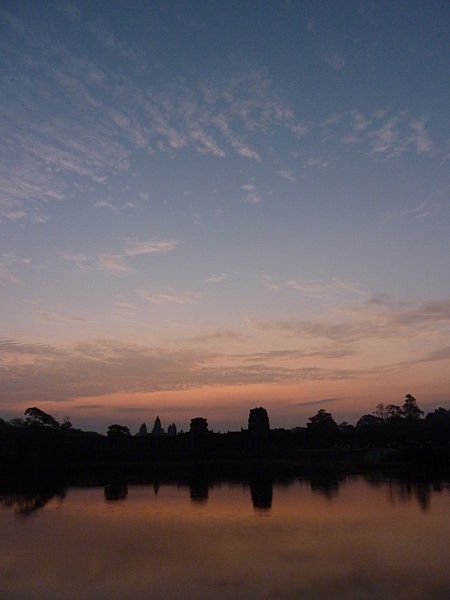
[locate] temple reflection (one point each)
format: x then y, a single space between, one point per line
261 491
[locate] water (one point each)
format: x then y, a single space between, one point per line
309 539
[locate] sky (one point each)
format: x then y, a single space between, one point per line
211 206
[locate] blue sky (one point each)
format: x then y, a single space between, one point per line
205 205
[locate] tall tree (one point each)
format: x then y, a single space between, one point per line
410 409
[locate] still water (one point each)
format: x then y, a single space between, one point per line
358 539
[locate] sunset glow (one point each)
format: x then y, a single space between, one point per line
206 207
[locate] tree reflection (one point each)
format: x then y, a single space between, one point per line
116 491
27 502
199 491
405 490
326 484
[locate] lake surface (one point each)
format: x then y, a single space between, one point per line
308 539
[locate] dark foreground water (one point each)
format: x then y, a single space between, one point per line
360 539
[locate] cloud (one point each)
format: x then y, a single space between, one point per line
318 402
224 335
246 151
288 175
61 318
126 306
108 117
318 288
115 208
376 318
360 122
422 210
36 373
113 263
81 261
41 219
251 197
299 130
9 265
384 312
109 41
337 332
205 143
170 297
437 355
420 137
316 163
386 139
330 351
217 278
137 247
383 134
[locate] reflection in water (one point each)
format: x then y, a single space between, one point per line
261 491
355 546
199 491
326 484
116 491
398 490
405 490
27 502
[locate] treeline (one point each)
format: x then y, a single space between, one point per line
39 440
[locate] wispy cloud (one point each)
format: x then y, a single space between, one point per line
316 163
223 335
169 297
422 210
299 130
316 287
10 264
115 208
139 247
420 137
217 278
81 261
205 144
381 133
107 118
251 195
288 175
114 263
375 318
100 367
318 402
62 317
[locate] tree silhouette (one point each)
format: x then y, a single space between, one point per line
118 431
322 428
410 408
36 417
322 422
